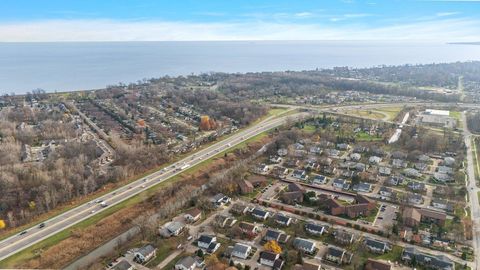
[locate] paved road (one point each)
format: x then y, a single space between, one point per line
63 221
472 193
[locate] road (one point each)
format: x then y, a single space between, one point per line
33 235
472 192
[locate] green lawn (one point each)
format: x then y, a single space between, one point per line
391 112
364 136
457 115
366 114
393 255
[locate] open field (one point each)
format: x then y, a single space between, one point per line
367 114
457 115
391 112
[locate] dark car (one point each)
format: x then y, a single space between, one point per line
22 233
41 225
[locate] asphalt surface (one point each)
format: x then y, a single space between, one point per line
33 235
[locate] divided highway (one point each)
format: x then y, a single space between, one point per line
33 235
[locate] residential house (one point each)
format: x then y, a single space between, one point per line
248 228
239 209
416 186
219 199
449 161
442 204
292 198
280 172
420 166
275 235
223 221
258 181
316 150
384 171
376 246
325 161
438 262
319 180
208 242
442 177
292 162
193 215
245 186
315 229
275 159
374 160
342 146
282 152
304 245
362 187
344 237
335 255
372 264
174 228
414 198
395 180
261 168
186 263
282 219
295 187
340 183
411 172
398 155
241 251
123 265
300 175
413 217
144 254
355 156
307 266
260 214
360 167
271 259
399 163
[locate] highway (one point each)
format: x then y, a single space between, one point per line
33 235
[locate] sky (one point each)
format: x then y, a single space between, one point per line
194 20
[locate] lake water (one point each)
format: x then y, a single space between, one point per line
90 65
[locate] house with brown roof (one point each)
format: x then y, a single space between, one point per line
292 197
372 264
248 228
362 206
193 215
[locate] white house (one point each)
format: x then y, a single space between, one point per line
241 251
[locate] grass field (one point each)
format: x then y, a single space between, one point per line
391 112
366 114
363 136
457 115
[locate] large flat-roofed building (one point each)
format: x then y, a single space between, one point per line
439 118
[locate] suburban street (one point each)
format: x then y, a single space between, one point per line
33 235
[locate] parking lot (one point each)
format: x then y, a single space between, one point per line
387 214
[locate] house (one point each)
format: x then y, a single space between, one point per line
362 187
271 259
360 167
315 229
204 241
223 221
442 177
300 175
374 160
355 156
344 237
395 180
333 153
399 163
292 187
416 186
144 254
241 251
385 192
219 200
449 161
340 183
279 171
239 209
174 228
442 204
282 152
307 266
376 246
325 161
315 150
304 245
342 146
260 214
423 158
372 264
282 219
275 159
193 215
298 146
319 180
420 166
399 155
275 235
411 172
292 162
248 228
335 255
258 181
414 198
384 171
261 168
439 262
186 263
123 265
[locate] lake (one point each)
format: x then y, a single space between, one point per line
91 65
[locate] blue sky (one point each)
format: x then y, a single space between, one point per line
131 20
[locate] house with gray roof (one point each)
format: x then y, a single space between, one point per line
438 262
241 251
304 245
